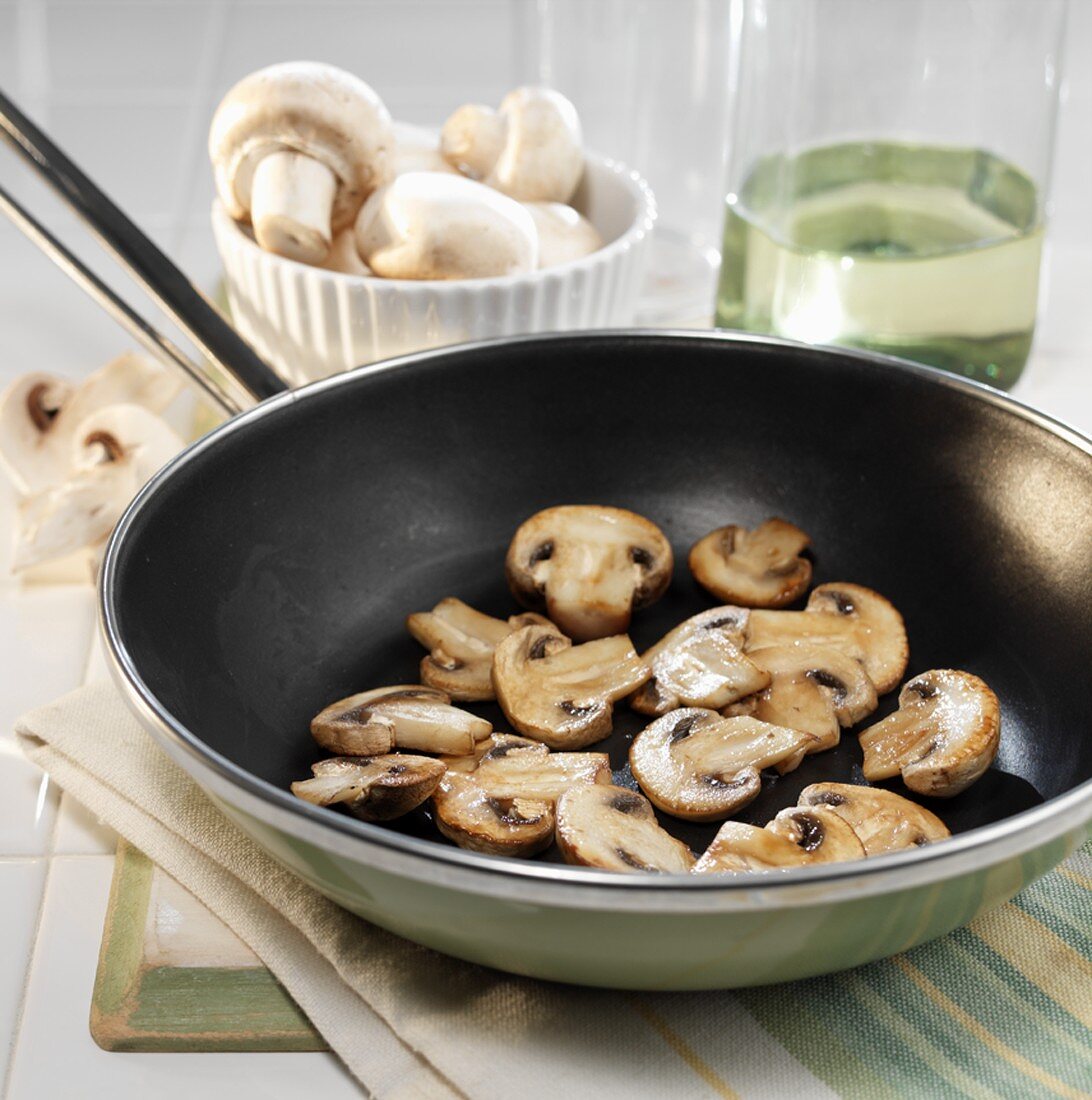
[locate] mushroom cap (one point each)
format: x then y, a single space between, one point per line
461 643
700 663
472 139
564 234
883 821
472 817
417 149
407 716
941 739
797 837
616 829
849 617
376 788
697 765
588 566
813 688
428 225
759 568
305 107
516 767
562 694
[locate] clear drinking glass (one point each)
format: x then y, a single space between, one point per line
889 165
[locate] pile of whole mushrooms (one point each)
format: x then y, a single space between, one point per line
77 454
307 155
734 693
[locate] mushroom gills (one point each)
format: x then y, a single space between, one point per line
616 829
474 818
759 568
461 643
377 788
697 765
883 821
700 663
942 738
406 716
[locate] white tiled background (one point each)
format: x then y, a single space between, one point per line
128 88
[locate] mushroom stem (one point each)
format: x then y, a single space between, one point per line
291 202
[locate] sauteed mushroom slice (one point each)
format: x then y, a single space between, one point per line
759 568
516 767
883 821
616 829
406 716
795 838
697 765
561 694
472 817
376 788
461 643
941 739
848 617
813 688
588 567
700 663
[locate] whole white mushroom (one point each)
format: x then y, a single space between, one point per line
564 234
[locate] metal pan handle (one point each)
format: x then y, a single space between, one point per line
194 314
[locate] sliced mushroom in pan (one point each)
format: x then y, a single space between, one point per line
562 694
697 765
461 643
517 767
797 837
469 816
616 829
406 716
700 663
883 821
759 568
941 739
376 788
588 567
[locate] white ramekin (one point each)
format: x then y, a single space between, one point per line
309 323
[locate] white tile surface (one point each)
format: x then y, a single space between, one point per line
21 883
79 832
56 1056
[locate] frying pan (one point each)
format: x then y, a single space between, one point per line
269 568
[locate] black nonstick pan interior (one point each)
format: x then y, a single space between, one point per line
272 571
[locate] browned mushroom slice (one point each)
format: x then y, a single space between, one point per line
883 821
461 642
795 838
813 688
471 817
616 829
759 568
697 765
562 694
700 663
406 716
516 767
848 617
941 739
376 788
588 567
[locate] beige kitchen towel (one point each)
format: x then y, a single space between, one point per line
972 1014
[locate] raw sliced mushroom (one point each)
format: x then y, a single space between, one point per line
883 821
616 829
561 694
812 688
759 568
848 617
474 818
797 837
700 663
589 567
404 716
461 643
697 765
941 739
376 788
517 767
